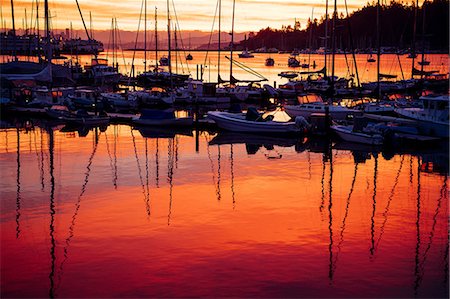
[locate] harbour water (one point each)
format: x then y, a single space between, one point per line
390 64
121 212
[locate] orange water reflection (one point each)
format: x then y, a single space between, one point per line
125 216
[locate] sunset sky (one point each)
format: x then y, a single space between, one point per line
251 15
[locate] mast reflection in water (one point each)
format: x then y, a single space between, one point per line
295 217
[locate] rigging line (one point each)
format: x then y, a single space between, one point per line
391 195
121 47
210 37
77 208
246 68
132 71
177 24
147 206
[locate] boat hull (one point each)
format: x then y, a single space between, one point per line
225 121
347 134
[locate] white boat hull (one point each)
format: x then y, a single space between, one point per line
238 123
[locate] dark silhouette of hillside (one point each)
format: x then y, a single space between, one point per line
396 20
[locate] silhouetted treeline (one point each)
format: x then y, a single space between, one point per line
396 24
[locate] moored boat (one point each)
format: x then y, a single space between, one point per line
433 118
152 117
348 134
253 122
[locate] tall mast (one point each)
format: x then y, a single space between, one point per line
231 44
156 39
413 47
326 37
333 45
218 50
38 33
176 48
168 44
423 38
48 52
378 49
90 24
13 31
145 35
26 22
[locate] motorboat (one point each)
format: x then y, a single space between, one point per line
270 61
288 74
433 118
348 134
291 89
164 61
82 118
166 118
293 62
253 122
336 112
58 112
245 54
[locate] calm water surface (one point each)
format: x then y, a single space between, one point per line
117 214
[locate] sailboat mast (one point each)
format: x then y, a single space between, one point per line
38 33
326 37
218 49
13 31
413 46
423 39
378 49
333 45
168 44
145 36
231 44
156 39
48 51
90 24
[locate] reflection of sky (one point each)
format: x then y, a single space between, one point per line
273 241
251 15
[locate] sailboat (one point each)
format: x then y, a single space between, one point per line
43 72
158 77
370 58
189 56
